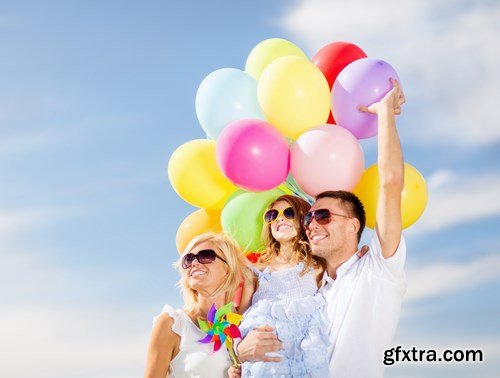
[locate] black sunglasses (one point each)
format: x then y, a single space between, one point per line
322 216
272 214
205 256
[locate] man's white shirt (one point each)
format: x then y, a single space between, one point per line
362 310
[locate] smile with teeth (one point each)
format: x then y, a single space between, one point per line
317 237
197 273
283 226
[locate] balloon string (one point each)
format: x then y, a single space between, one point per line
295 188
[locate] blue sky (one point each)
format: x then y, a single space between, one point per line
94 98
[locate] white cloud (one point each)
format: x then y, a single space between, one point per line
442 50
439 179
457 199
62 341
20 111
441 279
24 127
23 143
489 346
66 322
20 221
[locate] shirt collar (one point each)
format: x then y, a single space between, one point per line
341 270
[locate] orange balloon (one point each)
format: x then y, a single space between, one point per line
195 224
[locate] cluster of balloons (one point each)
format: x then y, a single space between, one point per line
284 124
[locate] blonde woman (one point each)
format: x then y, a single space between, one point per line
211 268
286 298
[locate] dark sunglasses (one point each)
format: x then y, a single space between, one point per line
205 256
272 214
321 216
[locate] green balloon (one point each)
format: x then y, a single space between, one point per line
242 219
234 195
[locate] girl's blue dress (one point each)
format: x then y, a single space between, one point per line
288 301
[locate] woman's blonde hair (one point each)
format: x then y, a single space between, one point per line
301 247
236 262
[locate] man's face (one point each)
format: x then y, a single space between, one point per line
327 238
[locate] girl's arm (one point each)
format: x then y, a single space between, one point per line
163 347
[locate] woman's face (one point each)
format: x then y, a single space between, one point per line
284 229
206 277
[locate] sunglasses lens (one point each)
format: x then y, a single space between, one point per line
206 256
289 213
307 219
322 216
271 215
187 260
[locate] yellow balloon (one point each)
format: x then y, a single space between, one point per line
413 201
196 177
367 191
267 51
195 224
294 95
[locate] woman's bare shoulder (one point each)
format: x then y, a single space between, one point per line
164 323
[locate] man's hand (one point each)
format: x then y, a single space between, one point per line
363 251
391 102
257 343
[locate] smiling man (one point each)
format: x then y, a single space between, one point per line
363 294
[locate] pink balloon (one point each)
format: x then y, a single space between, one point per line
253 155
327 158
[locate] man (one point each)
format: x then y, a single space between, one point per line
363 294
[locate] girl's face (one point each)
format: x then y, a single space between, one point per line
209 276
284 228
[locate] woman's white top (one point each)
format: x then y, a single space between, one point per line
194 359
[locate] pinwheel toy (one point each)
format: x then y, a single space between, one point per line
221 327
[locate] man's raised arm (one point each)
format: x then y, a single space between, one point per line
390 169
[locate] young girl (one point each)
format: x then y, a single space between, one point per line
285 299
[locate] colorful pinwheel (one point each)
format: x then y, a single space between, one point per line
221 327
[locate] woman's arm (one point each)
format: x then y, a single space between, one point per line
163 347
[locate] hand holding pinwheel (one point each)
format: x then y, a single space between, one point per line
221 327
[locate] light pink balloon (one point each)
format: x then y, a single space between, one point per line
327 158
253 155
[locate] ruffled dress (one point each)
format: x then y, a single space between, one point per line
289 302
194 359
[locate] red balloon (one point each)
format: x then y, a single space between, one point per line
330 120
333 58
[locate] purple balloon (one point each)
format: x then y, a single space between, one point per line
363 82
253 155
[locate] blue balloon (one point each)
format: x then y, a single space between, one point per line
225 96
